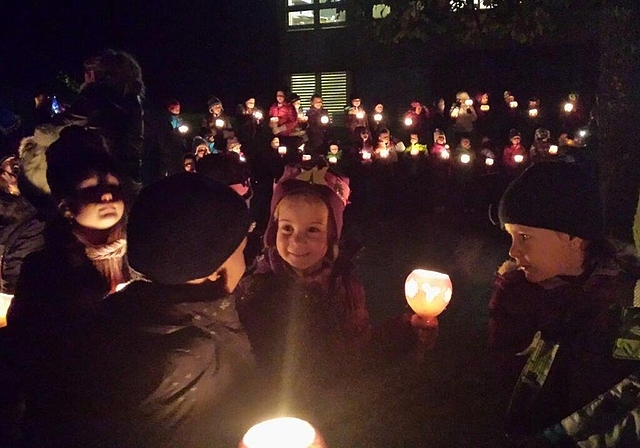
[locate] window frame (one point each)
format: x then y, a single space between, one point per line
316 7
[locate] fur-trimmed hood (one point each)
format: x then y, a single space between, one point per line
33 155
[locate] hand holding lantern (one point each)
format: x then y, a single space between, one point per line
428 292
553 149
219 123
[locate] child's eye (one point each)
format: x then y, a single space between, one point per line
286 228
524 236
314 230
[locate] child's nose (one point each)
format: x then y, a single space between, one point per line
514 250
299 238
106 197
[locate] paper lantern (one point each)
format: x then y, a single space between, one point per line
283 432
465 158
366 155
306 157
553 149
518 158
489 161
408 121
513 104
377 118
485 108
257 115
444 154
219 123
183 129
568 107
324 119
333 159
359 115
533 113
384 153
282 150
468 102
428 292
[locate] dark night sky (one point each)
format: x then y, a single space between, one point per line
188 49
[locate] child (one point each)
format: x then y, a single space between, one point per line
304 308
515 155
563 289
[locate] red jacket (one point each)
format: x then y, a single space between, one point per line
287 117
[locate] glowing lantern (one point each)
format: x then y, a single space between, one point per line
513 104
428 292
384 153
183 128
5 301
553 149
219 123
324 119
257 115
568 107
465 158
359 115
306 157
518 158
444 154
282 432
282 150
242 158
333 159
415 151
408 121
468 102
488 161
366 155
377 118
455 112
533 113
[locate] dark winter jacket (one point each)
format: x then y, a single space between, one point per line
118 118
316 130
579 314
160 366
21 232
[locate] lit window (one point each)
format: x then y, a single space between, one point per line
380 11
315 13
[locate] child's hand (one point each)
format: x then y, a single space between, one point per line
426 328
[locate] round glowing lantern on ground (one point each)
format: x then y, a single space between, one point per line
553 149
283 432
428 292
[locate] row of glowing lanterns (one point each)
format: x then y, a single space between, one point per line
427 292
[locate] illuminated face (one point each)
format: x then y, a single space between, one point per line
317 103
216 109
302 238
9 175
414 139
99 205
484 99
250 103
542 253
174 109
189 165
465 143
201 151
275 143
355 102
384 137
379 108
515 140
280 97
334 149
440 140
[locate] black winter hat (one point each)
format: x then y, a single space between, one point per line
185 227
556 196
70 159
213 101
513 133
226 168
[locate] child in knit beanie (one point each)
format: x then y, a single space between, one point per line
558 301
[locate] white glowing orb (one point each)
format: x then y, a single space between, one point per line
513 104
445 154
333 159
219 123
568 107
366 155
518 158
384 153
408 121
468 102
485 108
553 149
360 115
306 157
283 432
415 151
465 158
428 292
455 112
183 129
257 115
242 158
282 150
324 119
533 113
488 161
377 117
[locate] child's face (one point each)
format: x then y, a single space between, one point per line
355 102
440 140
275 143
414 139
302 238
379 108
189 165
334 149
465 143
99 202
317 103
542 253
216 109
515 140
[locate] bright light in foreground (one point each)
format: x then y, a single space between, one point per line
282 150
408 121
428 292
283 432
513 104
219 123
465 158
258 115
488 161
553 149
518 158
568 107
183 128
377 117
324 119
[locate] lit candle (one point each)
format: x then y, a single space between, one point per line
533 113
568 107
359 115
455 112
485 107
384 153
333 159
258 115
415 151
282 432
444 154
366 155
428 292
468 102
